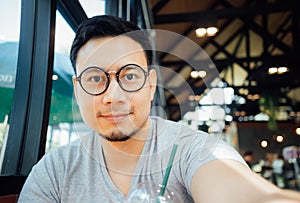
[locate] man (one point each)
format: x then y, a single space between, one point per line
248 157
114 87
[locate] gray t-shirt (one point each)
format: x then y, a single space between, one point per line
76 172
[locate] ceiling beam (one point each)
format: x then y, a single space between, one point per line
186 33
228 41
173 45
267 36
277 59
159 5
243 11
228 55
222 28
296 30
279 34
72 12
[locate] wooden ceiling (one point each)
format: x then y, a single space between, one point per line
253 36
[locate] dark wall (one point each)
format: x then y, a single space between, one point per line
251 133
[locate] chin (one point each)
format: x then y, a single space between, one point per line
118 137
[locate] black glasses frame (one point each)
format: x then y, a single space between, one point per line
108 78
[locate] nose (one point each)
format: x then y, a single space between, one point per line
114 93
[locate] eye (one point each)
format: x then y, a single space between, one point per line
93 78
130 76
131 73
96 79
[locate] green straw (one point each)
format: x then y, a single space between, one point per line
166 177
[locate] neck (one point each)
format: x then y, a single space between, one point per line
125 154
130 147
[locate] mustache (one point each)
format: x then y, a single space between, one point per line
110 112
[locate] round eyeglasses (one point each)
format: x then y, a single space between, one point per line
95 80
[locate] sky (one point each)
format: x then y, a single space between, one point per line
10 28
64 34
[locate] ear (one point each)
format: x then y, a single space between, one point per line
75 87
153 82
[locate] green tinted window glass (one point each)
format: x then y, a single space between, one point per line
9 43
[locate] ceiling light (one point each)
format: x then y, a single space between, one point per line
243 113
272 70
264 143
194 74
200 32
206 25
243 91
202 73
282 70
198 74
253 83
250 96
211 31
298 131
54 77
279 138
256 96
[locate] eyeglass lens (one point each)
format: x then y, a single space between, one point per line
95 80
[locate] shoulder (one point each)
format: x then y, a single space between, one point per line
46 177
173 129
55 161
195 147
69 154
63 151
191 139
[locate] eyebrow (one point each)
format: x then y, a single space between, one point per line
128 67
117 70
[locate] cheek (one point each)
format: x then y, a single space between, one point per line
141 102
87 108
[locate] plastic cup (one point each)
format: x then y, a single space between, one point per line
149 192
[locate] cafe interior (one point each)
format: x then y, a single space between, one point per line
230 68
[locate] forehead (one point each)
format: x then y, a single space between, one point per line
110 51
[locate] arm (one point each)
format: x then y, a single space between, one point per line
229 181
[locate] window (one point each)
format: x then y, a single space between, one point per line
93 7
9 43
65 120
28 27
63 111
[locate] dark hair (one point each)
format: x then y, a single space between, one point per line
248 153
104 26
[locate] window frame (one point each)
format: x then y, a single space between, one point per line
31 106
32 96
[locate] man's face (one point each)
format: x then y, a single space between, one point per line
114 114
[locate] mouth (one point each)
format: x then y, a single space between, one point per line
114 117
